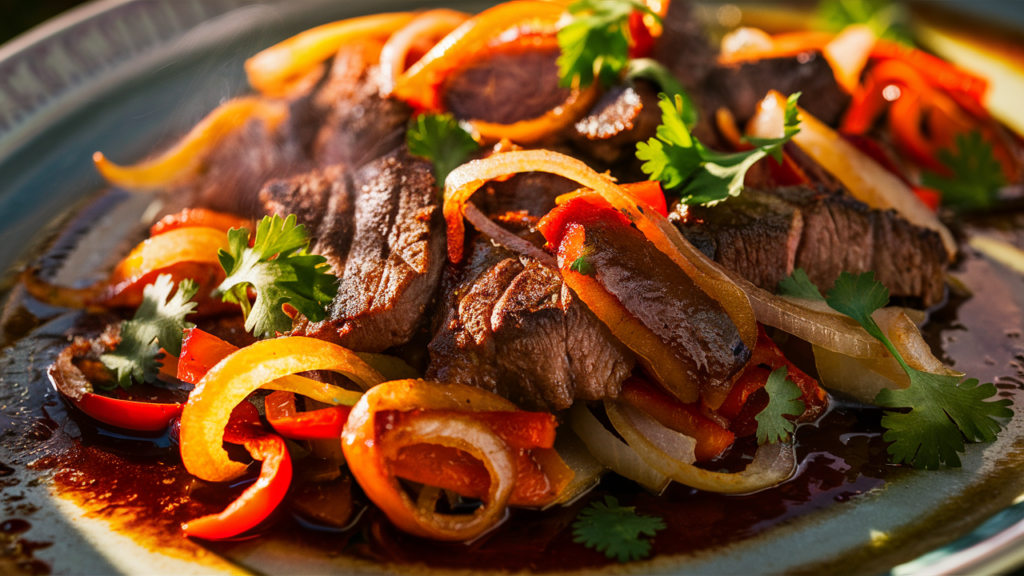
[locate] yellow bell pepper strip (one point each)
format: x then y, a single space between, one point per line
265 364
259 499
185 158
274 69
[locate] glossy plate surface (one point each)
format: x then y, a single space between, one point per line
127 76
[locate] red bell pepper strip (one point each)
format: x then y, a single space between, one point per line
129 414
648 192
200 351
641 42
262 497
711 438
323 424
939 73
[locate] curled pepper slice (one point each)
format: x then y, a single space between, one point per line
446 429
273 70
323 424
185 158
266 364
199 217
258 500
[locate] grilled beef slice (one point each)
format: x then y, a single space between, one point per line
764 236
623 116
506 85
510 326
529 193
381 231
683 46
359 124
740 87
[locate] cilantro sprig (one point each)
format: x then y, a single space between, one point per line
977 175
616 530
783 400
280 269
700 175
442 140
158 323
927 422
595 42
885 18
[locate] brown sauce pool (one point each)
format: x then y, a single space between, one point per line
139 485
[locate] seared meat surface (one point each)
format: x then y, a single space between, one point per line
623 116
506 85
510 325
529 193
740 87
764 236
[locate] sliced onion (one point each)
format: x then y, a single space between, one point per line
468 178
185 158
612 452
848 54
587 470
477 440
772 464
431 25
501 236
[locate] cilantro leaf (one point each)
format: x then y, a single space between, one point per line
700 175
596 41
799 285
158 323
442 140
977 175
615 530
885 18
582 266
783 400
942 409
654 71
281 271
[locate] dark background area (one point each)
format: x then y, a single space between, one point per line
16 16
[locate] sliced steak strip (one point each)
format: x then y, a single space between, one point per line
505 85
530 193
358 124
683 46
740 87
763 236
394 259
510 326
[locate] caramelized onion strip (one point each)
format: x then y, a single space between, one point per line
430 26
669 453
185 158
277 67
468 178
612 452
501 236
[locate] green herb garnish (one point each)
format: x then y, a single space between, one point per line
885 18
977 175
442 140
616 530
699 175
158 323
281 270
783 400
799 286
582 266
654 71
596 41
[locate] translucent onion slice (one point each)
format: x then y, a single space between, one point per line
274 69
431 26
185 158
665 451
587 470
477 440
468 178
612 452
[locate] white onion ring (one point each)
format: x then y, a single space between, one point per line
612 452
772 465
432 24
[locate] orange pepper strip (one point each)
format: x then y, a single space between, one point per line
323 424
468 178
266 364
258 500
430 25
419 86
938 72
199 217
649 193
274 69
374 447
185 158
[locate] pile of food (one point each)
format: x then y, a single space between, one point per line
450 265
